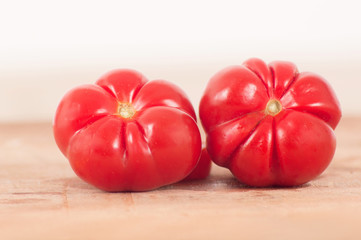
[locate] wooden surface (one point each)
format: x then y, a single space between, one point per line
41 198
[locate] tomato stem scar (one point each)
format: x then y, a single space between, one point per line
126 110
273 107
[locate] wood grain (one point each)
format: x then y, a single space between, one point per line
41 198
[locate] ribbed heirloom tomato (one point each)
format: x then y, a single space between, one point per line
128 134
270 125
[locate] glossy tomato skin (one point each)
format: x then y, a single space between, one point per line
157 144
203 168
288 148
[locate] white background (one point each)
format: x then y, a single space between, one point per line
48 47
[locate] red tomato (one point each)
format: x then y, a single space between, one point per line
202 169
270 125
127 134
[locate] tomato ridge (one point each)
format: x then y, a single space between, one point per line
109 91
272 73
274 161
309 113
294 79
124 142
88 123
142 131
232 155
260 78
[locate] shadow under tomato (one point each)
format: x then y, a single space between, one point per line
221 183
224 183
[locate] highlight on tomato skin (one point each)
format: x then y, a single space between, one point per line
270 125
203 168
125 133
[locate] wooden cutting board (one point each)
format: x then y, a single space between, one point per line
41 198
